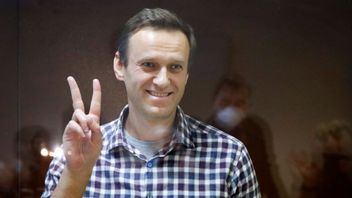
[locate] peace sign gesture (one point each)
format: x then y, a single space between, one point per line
82 136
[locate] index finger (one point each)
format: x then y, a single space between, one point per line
77 101
95 104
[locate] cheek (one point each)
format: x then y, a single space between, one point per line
180 84
138 79
181 80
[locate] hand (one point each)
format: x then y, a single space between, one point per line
82 136
307 169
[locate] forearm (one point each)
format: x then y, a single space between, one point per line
71 185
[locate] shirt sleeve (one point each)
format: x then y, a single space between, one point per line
53 175
244 181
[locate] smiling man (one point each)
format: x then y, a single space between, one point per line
153 149
155 78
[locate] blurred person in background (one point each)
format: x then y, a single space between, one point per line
230 113
31 163
328 171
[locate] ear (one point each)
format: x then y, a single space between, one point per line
118 67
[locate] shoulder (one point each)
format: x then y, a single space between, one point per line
205 135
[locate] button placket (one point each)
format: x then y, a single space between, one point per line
149 166
149 176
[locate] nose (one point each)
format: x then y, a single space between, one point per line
162 79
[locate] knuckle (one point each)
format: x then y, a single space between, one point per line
79 116
78 111
71 124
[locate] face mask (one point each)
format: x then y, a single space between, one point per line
228 117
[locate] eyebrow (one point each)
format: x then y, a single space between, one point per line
154 59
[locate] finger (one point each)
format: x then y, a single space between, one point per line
77 101
95 131
72 130
82 119
95 105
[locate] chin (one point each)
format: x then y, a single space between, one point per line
161 112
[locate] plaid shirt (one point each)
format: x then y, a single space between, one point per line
200 161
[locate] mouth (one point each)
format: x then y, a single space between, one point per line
159 94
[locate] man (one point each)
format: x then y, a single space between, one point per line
153 149
328 171
230 114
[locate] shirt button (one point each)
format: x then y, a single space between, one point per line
149 175
150 164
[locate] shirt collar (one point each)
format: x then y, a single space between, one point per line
183 133
181 126
117 136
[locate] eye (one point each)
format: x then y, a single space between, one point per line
176 67
148 64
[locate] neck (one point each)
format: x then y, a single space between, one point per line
145 129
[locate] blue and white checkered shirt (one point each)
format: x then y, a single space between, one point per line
200 161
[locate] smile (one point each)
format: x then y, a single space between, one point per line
159 94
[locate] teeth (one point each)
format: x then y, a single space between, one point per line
157 94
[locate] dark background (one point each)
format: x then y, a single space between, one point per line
295 54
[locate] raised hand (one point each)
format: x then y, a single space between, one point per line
81 143
82 136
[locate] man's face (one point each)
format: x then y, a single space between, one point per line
230 97
156 75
